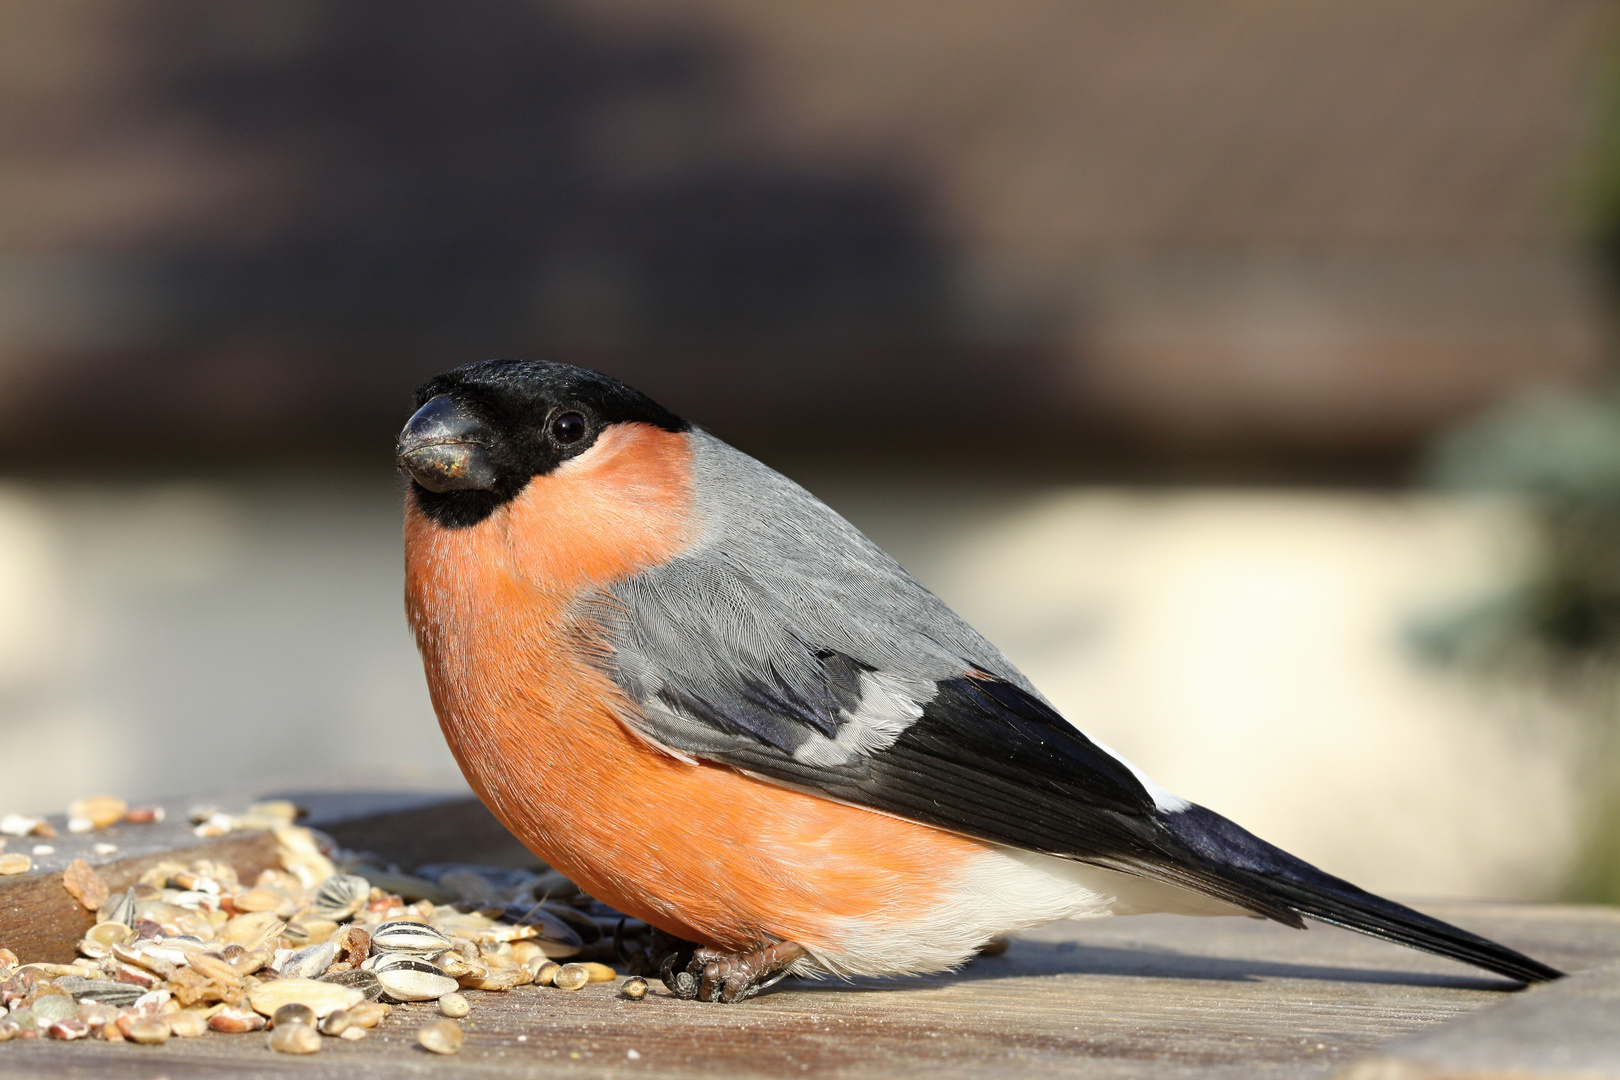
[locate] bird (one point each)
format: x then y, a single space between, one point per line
701 694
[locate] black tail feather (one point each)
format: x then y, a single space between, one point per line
1267 878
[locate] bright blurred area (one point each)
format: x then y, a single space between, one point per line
1245 369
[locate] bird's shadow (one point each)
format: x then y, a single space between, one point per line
1025 959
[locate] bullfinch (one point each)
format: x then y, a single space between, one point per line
696 690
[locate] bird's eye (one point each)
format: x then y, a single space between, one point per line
568 427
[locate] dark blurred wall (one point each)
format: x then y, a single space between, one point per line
1187 229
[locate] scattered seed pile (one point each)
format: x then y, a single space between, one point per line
305 951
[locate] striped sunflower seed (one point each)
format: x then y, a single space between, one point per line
340 896
411 938
404 978
363 981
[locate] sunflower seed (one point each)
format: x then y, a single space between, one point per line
412 938
406 979
340 896
119 909
311 962
105 991
363 981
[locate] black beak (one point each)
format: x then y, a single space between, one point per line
446 448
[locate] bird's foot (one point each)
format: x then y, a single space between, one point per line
711 975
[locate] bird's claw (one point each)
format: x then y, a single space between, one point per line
711 975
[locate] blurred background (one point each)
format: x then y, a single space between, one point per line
1244 368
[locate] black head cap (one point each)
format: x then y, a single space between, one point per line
482 431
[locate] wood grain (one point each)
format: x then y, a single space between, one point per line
1154 996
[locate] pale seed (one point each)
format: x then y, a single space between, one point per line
148 1032
497 980
353 1034
236 1020
259 899
334 1023
454 1006
252 929
321 997
598 972
571 977
545 971
53 1007
215 968
295 1012
68 1029
99 810
281 810
304 932
187 1024
18 825
368 1014
15 863
310 962
440 1037
100 938
295 1039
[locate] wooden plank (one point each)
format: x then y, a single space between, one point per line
39 920
1114 998
1568 1029
1150 995
410 829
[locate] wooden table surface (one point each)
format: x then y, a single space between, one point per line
1146 996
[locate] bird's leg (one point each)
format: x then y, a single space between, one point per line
712 975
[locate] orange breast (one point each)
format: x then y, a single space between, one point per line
701 851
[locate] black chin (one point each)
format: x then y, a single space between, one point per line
457 509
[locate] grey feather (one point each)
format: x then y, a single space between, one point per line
782 624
